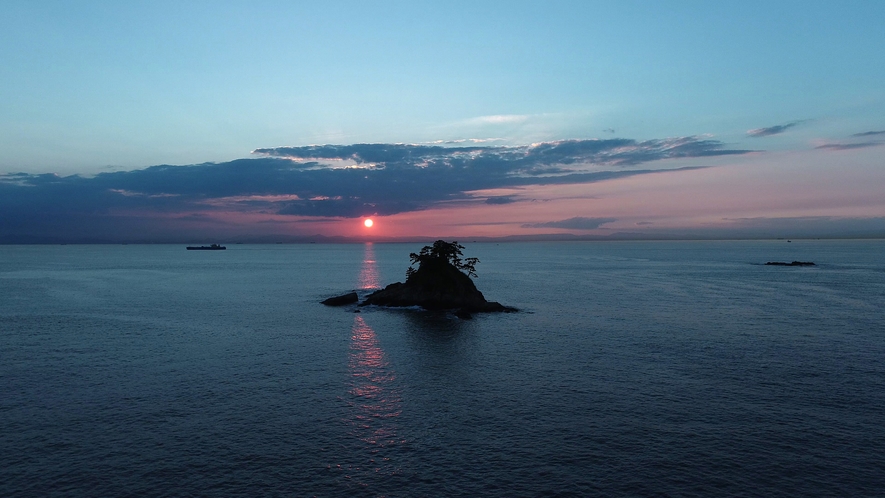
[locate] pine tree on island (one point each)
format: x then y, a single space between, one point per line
440 252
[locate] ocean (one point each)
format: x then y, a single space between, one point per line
631 369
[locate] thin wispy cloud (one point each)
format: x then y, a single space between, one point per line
849 146
773 130
467 140
869 134
502 199
576 223
500 119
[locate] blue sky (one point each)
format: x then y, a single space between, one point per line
91 87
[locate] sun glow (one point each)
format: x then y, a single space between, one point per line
368 223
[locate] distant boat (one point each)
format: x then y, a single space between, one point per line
213 247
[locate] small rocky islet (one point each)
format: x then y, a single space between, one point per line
794 263
441 281
349 298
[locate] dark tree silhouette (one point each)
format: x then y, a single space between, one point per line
442 251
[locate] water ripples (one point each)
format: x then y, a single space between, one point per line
669 369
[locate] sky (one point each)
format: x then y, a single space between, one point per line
287 121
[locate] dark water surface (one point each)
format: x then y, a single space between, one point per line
635 369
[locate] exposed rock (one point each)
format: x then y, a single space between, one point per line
794 263
341 300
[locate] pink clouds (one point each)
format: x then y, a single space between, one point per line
776 185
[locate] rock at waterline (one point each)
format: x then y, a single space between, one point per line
349 298
438 284
794 263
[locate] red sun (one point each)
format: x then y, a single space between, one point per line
368 223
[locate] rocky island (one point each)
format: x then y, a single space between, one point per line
441 282
794 263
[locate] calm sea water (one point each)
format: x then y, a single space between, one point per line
634 369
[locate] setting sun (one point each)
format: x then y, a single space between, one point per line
368 222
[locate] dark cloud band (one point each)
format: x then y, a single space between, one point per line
324 181
514 159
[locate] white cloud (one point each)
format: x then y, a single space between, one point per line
499 119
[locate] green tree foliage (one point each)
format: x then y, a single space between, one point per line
449 252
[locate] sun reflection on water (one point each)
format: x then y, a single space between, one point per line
374 404
368 278
374 400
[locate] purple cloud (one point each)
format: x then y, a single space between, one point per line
773 130
851 146
576 223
